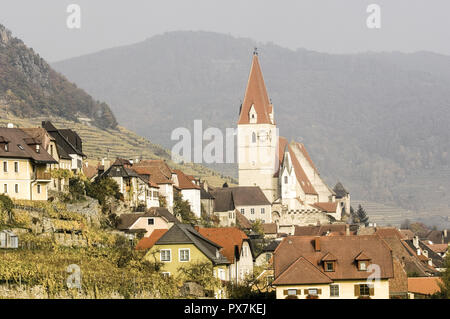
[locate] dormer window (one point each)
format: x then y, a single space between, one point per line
38 148
329 266
6 147
362 265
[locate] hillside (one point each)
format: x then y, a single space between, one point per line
378 122
119 142
29 87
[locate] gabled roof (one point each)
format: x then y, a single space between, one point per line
228 198
344 248
329 257
424 285
22 145
230 238
322 230
302 271
437 260
64 146
148 242
256 96
157 175
300 174
127 220
439 248
186 234
185 182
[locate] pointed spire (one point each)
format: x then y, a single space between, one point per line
256 95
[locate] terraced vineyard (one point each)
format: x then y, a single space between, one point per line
98 144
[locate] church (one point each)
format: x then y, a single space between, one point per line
283 170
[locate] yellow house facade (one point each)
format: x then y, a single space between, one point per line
25 165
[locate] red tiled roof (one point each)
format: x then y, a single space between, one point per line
328 207
148 242
302 271
184 182
424 285
256 95
344 248
227 237
438 248
301 147
242 221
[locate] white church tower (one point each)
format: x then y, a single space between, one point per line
257 136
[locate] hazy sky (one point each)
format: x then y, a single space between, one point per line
335 26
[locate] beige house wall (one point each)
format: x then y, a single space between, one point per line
346 290
159 223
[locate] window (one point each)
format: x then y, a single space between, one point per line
51 150
292 292
329 266
285 179
242 211
165 274
362 265
263 210
150 221
5 167
313 292
252 210
184 254
16 167
165 255
334 290
253 137
38 189
5 188
364 290
6 148
16 188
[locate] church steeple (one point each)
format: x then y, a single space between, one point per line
256 107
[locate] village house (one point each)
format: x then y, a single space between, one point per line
69 147
190 191
267 252
182 245
249 201
25 168
160 174
138 190
314 267
284 171
423 287
145 223
235 247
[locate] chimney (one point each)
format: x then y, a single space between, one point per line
347 230
416 241
317 243
425 253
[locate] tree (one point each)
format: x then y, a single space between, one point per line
182 209
362 215
445 285
201 273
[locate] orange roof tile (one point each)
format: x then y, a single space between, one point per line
424 285
185 182
438 248
148 242
328 207
227 237
256 95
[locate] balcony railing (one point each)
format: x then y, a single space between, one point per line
46 176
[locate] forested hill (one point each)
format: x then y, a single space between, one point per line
29 87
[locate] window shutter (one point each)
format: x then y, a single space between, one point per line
305 291
285 292
319 291
372 291
356 290
298 291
